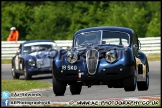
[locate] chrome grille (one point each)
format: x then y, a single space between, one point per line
44 62
92 57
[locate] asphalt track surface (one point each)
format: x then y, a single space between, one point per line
101 92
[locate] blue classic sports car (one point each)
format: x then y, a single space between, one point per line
32 58
105 55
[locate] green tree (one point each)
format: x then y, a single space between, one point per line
59 20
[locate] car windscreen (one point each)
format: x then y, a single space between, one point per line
30 48
93 37
116 38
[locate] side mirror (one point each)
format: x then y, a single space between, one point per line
139 45
18 51
68 48
135 46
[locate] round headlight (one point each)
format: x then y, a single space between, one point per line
52 53
31 62
72 57
40 54
111 56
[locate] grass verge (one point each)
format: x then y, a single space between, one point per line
151 57
23 85
5 61
154 57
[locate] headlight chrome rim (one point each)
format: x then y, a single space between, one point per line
52 53
111 56
31 62
72 57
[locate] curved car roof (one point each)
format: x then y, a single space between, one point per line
110 28
32 41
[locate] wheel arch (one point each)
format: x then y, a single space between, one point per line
12 61
142 57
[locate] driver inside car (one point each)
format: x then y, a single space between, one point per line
89 39
94 38
27 50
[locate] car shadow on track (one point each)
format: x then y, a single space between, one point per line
38 78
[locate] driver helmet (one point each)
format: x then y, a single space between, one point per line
27 49
34 48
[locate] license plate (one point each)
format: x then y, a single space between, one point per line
69 67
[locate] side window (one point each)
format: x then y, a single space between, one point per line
20 49
135 42
135 39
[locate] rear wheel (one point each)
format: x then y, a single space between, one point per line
26 74
59 87
144 85
14 74
109 85
129 83
75 89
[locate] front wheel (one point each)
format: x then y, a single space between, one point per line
75 89
59 87
129 83
144 85
14 74
26 74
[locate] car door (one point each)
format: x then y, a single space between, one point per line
17 62
136 49
18 59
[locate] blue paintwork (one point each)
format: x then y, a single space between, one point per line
122 68
123 62
33 70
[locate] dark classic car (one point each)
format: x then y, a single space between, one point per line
105 55
32 58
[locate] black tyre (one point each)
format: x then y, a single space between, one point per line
26 74
75 89
14 74
144 85
129 83
110 86
59 87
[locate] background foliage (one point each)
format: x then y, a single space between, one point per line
59 20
